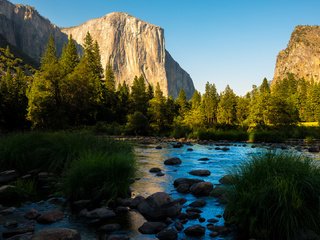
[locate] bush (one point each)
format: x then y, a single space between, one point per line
273 136
51 152
275 196
99 176
108 128
216 135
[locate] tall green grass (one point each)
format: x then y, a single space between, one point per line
99 176
275 195
90 166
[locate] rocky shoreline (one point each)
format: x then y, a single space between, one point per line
165 217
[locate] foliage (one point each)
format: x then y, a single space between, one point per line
274 196
112 171
137 124
216 135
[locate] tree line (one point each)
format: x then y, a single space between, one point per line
72 90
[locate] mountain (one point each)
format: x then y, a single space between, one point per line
132 46
302 55
135 47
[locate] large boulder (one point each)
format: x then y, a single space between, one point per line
195 231
57 234
152 227
168 234
173 161
188 181
98 213
201 189
159 206
50 217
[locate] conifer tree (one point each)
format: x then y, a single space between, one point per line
227 107
209 104
109 78
69 57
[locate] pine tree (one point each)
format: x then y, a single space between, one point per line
110 79
69 57
227 107
182 102
209 104
139 96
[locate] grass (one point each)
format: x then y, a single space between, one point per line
275 195
90 166
99 176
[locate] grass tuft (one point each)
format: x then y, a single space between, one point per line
275 196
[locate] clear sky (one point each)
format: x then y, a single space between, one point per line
233 42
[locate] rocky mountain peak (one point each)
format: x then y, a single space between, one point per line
302 55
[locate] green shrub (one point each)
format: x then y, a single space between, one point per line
51 151
275 195
267 136
108 128
216 135
99 176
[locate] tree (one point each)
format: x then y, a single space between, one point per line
139 96
110 79
69 57
227 107
137 124
45 108
209 104
182 102
157 110
195 100
243 109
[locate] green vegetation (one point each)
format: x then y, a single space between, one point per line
274 196
72 156
73 91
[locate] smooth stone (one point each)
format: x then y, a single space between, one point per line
179 226
24 236
18 231
218 192
183 188
108 228
100 213
10 224
177 145
195 231
203 159
57 234
173 161
168 234
188 181
193 215
122 209
213 220
160 174
8 176
201 189
155 170
159 206
32 214
50 217
118 237
200 172
189 149
198 203
158 147
136 201
152 227
201 219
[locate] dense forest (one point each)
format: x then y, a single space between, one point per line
71 91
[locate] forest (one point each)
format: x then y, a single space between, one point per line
74 91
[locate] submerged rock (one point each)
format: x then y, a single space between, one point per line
50 217
195 231
173 161
152 227
57 234
168 234
108 228
159 206
155 170
201 189
200 172
198 203
99 213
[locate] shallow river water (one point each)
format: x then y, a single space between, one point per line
220 163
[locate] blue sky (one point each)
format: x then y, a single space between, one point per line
233 42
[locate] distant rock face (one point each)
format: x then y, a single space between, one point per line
23 27
302 55
135 47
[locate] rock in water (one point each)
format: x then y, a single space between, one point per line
159 206
57 234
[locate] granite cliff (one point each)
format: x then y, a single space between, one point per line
302 55
135 47
132 46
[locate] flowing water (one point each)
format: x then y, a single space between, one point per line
220 163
